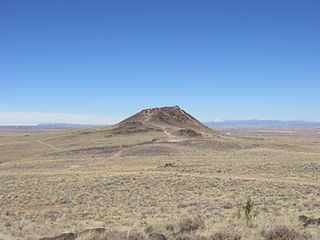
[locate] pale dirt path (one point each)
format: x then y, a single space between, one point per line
171 137
167 133
49 145
101 161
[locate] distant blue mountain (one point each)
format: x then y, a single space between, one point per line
254 122
70 125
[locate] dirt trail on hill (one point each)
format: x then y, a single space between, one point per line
49 145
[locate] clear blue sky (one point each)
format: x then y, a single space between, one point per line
216 59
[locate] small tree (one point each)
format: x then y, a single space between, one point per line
248 209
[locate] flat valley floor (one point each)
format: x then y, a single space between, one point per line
70 180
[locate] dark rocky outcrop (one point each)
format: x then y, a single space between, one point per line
187 133
157 236
309 221
66 236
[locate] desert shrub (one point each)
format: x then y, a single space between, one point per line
148 229
283 233
157 236
225 236
309 220
188 224
100 234
168 165
116 235
7 223
190 237
169 227
248 209
153 204
96 234
136 236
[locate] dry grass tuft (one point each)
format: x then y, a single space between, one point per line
225 236
188 224
283 233
190 237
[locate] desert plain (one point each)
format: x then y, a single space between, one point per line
159 175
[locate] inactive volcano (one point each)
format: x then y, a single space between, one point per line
174 119
166 131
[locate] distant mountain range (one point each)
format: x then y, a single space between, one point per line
70 125
254 122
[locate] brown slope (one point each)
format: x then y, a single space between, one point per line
158 118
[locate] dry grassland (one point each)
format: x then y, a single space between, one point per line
72 180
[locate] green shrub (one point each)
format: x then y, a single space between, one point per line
248 209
